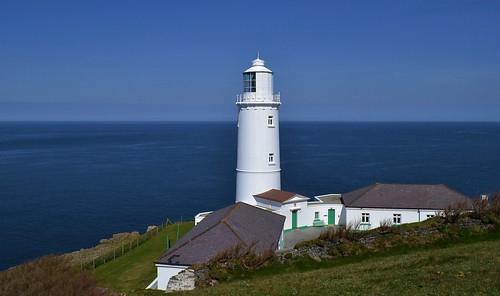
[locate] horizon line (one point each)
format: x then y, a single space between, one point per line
233 121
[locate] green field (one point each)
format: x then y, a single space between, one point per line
461 269
135 270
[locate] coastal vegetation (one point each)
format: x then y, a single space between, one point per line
134 271
457 253
67 274
463 268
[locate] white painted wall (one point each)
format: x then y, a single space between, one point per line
322 208
268 204
165 272
305 213
379 215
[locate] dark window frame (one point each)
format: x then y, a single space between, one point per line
250 82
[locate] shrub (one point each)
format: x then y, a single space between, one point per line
231 261
348 248
385 224
49 275
453 212
494 204
334 233
480 207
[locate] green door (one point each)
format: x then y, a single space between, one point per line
331 216
294 219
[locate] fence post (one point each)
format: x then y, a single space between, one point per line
177 232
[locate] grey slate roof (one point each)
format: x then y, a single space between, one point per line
330 198
405 196
225 228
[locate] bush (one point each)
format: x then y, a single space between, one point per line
494 204
348 248
385 224
227 263
337 233
51 276
453 212
488 211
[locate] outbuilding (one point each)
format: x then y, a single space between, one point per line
237 225
395 204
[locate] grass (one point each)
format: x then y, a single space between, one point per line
469 267
135 270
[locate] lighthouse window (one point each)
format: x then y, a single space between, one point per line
270 158
249 82
270 121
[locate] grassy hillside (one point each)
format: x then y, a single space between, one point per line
135 270
471 268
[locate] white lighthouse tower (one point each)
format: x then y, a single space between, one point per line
258 167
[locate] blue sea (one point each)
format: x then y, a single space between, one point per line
64 186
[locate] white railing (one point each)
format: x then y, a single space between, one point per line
252 98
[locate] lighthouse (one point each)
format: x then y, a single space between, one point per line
258 165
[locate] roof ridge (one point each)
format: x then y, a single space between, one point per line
236 205
234 232
368 188
454 190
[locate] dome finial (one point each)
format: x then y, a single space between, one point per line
258 61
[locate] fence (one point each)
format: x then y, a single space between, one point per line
127 246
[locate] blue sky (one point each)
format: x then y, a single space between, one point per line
182 60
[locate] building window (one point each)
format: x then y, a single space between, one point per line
365 218
249 82
430 216
270 121
396 219
270 159
316 215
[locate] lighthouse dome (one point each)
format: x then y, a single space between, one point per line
258 66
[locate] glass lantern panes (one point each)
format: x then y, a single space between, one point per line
249 82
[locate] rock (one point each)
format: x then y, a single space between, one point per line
315 258
183 281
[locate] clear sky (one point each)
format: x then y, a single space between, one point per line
182 60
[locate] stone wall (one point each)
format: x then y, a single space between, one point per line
183 281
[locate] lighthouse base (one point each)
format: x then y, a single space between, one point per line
250 183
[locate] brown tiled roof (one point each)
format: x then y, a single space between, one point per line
238 224
405 196
276 195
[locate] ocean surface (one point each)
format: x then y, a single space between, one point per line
64 186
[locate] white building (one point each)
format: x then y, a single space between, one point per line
258 165
301 211
239 224
364 208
